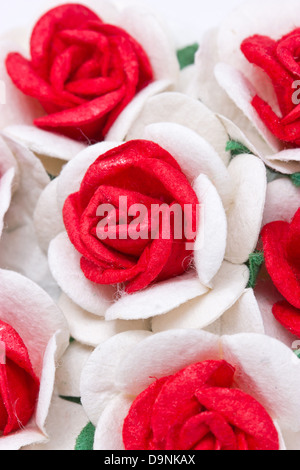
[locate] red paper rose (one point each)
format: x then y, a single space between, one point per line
281 242
19 386
281 61
196 409
143 173
84 72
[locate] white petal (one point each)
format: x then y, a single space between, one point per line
292 440
162 355
241 91
211 239
70 179
267 18
270 372
282 201
151 35
47 144
33 314
157 299
245 215
64 262
69 371
98 378
206 88
267 295
91 329
6 182
180 109
109 429
227 287
53 352
243 317
27 436
289 159
126 119
192 152
64 424
48 220
20 252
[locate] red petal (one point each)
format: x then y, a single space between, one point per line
83 114
70 16
25 78
137 433
176 402
286 52
288 316
243 412
275 238
261 51
198 426
19 386
293 244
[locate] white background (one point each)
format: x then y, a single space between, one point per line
188 19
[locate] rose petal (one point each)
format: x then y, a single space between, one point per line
6 182
70 179
69 372
193 153
64 262
180 109
241 91
109 428
288 316
64 424
166 354
210 246
157 299
282 201
98 380
125 120
17 107
48 219
44 143
275 237
267 295
262 372
146 29
227 287
245 215
93 330
17 293
243 317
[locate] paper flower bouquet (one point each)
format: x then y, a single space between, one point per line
150 231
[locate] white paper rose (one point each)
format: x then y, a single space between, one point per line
105 89
123 367
22 180
231 196
33 335
255 86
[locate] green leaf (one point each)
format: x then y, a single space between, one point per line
296 179
254 264
85 440
76 400
186 56
297 353
236 148
51 176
